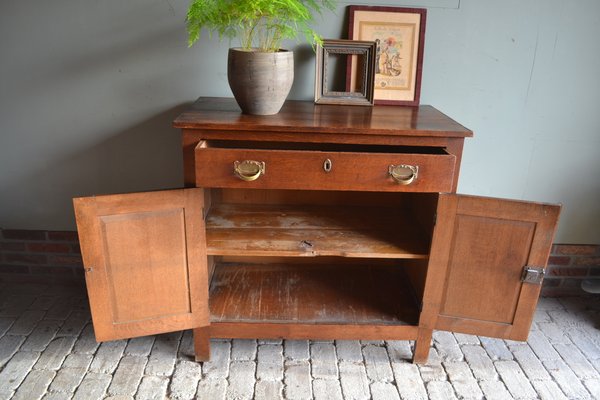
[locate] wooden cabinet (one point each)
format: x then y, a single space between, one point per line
321 222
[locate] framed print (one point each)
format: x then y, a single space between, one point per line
331 66
400 35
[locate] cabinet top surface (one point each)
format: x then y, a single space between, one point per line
305 116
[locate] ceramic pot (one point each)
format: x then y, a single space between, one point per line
260 81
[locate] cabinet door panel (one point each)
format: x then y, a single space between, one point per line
481 246
145 262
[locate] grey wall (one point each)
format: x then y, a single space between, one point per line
88 90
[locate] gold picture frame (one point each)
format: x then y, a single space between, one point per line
400 35
362 53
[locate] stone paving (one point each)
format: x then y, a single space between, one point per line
48 351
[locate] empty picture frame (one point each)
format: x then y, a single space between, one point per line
331 86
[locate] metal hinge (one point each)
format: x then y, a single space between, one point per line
533 275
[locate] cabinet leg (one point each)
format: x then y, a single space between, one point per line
422 345
202 343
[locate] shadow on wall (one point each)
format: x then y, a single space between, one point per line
144 157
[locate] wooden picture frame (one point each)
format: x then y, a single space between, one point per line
362 53
400 35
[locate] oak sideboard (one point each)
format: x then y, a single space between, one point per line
320 222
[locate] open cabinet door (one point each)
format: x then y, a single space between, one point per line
145 262
483 247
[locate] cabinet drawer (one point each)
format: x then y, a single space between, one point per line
318 166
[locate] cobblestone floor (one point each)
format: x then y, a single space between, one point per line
47 350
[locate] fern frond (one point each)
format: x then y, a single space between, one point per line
261 23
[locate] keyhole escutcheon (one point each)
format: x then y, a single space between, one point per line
327 164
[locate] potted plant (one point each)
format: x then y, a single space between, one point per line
259 72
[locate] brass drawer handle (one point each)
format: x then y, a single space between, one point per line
249 170
404 174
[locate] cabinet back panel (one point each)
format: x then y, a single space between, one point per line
315 197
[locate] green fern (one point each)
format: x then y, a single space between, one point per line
257 23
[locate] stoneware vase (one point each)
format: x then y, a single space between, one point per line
260 81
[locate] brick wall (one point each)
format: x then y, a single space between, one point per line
54 256
40 256
568 266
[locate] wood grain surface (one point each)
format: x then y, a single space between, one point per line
303 116
310 231
328 294
145 262
353 168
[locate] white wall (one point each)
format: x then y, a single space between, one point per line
88 90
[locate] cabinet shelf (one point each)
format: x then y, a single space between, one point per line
312 294
308 231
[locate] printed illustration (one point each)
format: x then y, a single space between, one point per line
395 52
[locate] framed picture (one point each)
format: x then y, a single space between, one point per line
400 36
331 66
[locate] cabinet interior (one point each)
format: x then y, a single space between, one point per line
328 147
317 256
